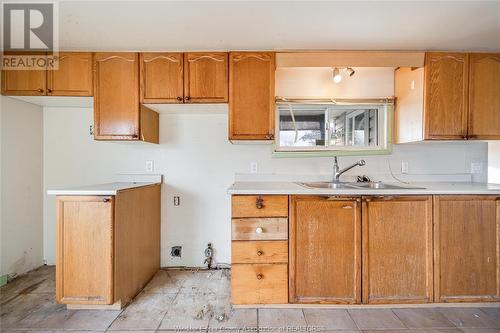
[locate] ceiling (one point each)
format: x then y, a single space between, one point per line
279 25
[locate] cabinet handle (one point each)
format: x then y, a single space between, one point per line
259 230
259 203
347 207
259 276
270 136
105 200
259 253
179 99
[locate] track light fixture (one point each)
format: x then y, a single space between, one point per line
337 73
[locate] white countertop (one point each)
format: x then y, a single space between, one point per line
100 189
273 187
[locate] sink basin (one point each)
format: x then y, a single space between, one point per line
364 186
383 186
328 185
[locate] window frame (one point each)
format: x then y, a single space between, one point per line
384 139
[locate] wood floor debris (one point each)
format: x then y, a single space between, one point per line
199 300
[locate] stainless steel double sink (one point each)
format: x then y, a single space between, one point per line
359 186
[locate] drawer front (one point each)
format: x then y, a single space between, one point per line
259 206
260 229
259 283
259 252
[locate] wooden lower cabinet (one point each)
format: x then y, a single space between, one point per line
371 249
397 249
259 249
108 247
466 248
325 250
259 283
85 250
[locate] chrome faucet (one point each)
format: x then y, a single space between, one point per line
337 172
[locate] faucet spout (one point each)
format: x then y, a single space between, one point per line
337 172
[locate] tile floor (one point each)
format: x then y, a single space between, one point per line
200 301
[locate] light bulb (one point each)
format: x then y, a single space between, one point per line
336 75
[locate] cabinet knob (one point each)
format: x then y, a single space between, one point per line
179 99
259 276
259 253
40 90
259 230
105 200
259 203
187 98
49 90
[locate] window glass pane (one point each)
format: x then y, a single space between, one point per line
308 127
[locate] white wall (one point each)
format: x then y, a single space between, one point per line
494 162
21 186
199 165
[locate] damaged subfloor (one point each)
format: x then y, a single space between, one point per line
200 300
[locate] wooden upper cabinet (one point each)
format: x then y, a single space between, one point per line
484 96
397 250
446 94
205 77
325 250
466 243
116 96
73 76
251 95
24 82
162 77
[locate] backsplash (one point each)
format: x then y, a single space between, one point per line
199 164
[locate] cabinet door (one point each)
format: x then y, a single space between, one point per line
73 76
162 77
116 96
446 91
325 250
251 96
205 77
397 250
484 96
466 248
24 82
84 270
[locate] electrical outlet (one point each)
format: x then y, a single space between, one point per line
150 166
476 168
176 251
404 167
254 167
177 201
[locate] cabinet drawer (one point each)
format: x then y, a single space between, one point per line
259 283
259 206
260 229
262 252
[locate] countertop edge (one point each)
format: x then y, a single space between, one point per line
88 190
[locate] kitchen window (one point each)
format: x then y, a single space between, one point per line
342 127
